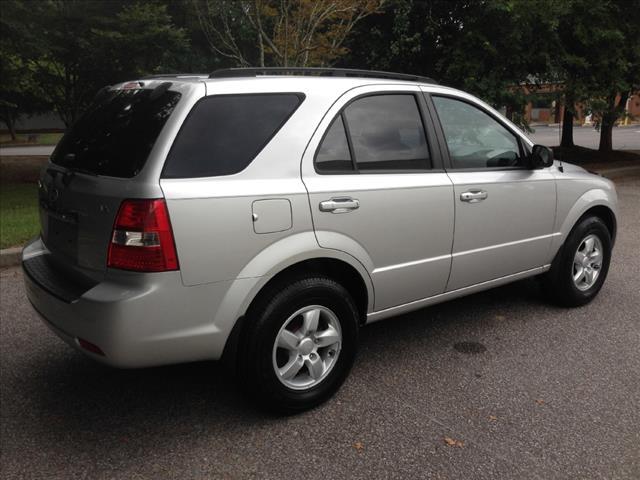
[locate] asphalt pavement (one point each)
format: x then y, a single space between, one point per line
624 138
26 150
536 392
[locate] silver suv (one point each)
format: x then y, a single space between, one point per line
263 216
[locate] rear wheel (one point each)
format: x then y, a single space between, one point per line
299 343
580 268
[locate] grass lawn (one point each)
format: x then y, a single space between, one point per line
18 213
39 139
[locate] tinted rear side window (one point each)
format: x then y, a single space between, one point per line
333 154
224 133
115 135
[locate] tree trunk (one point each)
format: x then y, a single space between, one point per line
567 126
509 112
11 124
261 49
606 136
609 119
9 119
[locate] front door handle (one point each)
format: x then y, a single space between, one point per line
473 196
339 205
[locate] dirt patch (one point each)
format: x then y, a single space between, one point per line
22 169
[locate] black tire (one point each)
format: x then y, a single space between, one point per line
267 315
558 282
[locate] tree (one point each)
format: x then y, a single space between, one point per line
286 33
75 47
487 47
18 90
198 57
598 61
140 40
574 39
614 64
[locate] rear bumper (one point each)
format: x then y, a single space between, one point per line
137 320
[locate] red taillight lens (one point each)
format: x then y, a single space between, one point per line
142 239
90 347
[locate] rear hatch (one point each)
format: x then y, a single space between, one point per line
93 169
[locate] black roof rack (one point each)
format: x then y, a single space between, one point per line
322 72
175 75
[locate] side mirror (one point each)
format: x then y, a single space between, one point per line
541 157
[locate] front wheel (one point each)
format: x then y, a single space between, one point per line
580 268
299 343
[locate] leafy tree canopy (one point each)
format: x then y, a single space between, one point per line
74 47
58 53
482 46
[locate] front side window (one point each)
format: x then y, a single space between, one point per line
474 138
385 133
224 133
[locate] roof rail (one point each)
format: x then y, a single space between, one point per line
176 75
322 72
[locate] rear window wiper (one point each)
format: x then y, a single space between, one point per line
72 169
86 171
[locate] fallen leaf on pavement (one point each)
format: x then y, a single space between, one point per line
540 401
493 418
358 446
453 443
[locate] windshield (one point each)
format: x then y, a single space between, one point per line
117 132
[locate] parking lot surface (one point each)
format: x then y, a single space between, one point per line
535 392
624 138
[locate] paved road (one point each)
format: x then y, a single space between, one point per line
26 151
624 138
555 395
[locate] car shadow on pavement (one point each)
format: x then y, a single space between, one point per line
81 402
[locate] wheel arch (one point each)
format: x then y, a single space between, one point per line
607 215
337 269
582 208
336 264
595 202
340 270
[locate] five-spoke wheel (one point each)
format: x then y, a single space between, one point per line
580 267
307 347
587 262
299 342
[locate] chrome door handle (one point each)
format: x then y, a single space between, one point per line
339 205
473 196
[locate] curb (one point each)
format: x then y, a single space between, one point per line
20 145
10 257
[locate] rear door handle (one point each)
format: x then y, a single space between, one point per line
473 196
339 205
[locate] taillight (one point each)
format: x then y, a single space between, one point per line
91 347
142 239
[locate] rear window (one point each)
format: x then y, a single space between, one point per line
224 133
115 135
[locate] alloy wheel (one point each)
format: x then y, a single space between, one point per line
307 347
587 262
